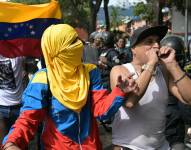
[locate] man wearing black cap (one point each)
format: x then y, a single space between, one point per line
140 123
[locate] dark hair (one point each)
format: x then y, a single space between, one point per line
108 38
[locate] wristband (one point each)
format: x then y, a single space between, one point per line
182 77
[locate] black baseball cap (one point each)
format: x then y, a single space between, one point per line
145 31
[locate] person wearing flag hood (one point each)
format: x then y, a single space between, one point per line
67 96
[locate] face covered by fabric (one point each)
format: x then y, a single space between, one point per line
68 78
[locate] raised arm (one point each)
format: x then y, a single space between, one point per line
142 80
106 104
179 82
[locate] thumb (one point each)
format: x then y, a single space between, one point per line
130 75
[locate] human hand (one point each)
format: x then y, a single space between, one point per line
167 55
128 84
10 146
152 56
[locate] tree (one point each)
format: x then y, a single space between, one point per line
114 16
179 4
94 8
146 11
78 13
75 12
106 14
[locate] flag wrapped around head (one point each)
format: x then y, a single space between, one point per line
22 27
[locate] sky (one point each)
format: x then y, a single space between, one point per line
123 2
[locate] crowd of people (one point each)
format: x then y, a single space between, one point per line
138 87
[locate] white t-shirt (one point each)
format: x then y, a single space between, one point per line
142 127
11 80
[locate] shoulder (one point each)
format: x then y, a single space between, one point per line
40 77
119 70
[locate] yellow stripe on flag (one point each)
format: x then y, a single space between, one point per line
16 12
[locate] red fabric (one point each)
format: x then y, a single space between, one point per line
26 126
20 47
102 101
24 129
53 139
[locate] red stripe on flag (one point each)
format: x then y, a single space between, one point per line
20 47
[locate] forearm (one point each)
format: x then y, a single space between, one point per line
10 146
105 105
181 81
143 82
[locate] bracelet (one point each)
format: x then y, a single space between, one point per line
182 77
148 68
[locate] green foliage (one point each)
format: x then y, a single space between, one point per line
144 10
180 4
115 19
76 12
114 16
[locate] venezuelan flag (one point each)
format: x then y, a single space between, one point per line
21 27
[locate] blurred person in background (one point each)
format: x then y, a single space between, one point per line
12 84
125 54
175 125
108 57
92 49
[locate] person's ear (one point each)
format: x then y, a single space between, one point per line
133 52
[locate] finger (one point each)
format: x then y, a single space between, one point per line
167 50
154 50
136 88
162 50
172 50
130 75
131 82
119 79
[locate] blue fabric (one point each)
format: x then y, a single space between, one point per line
76 126
29 29
112 110
69 122
95 80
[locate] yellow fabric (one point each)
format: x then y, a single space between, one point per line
40 77
68 77
17 12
